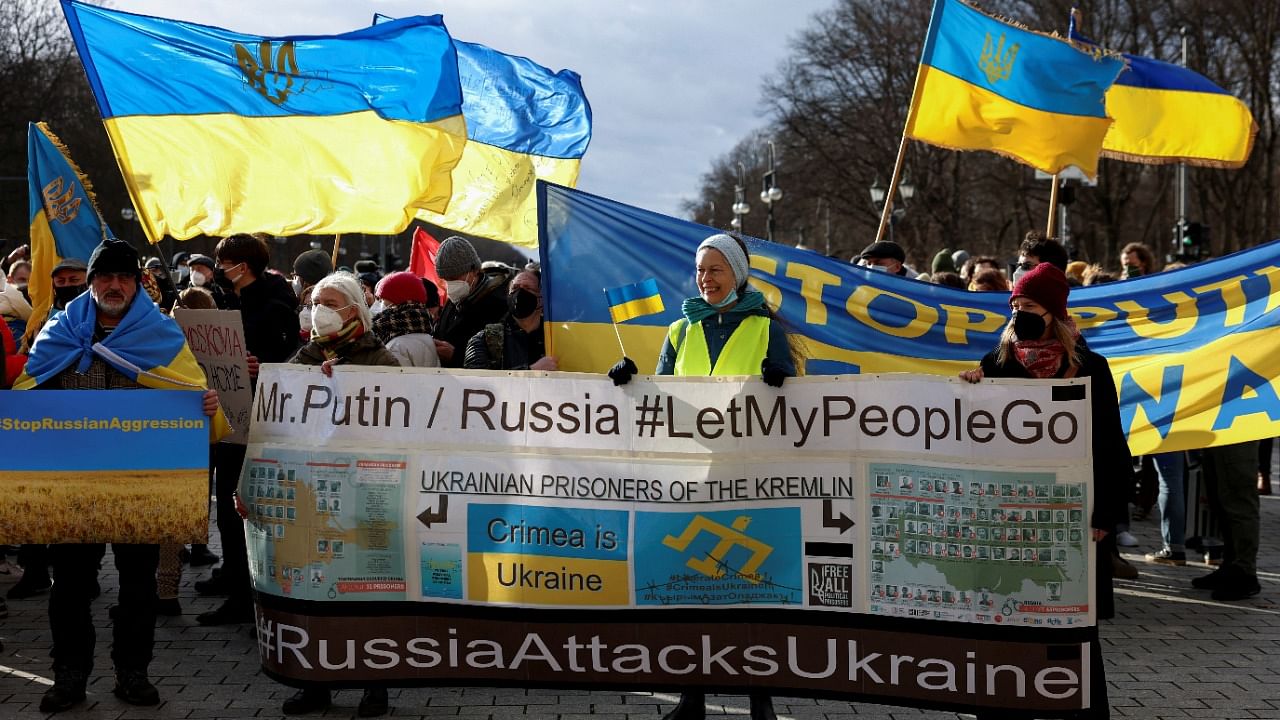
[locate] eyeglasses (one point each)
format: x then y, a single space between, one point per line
1028 265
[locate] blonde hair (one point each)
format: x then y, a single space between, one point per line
1058 330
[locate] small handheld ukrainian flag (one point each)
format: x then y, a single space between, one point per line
634 300
984 84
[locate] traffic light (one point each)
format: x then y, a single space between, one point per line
1194 241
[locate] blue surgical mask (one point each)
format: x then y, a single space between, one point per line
729 299
880 268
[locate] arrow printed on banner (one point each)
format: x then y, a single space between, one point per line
832 519
426 517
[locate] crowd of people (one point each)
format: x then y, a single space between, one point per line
489 316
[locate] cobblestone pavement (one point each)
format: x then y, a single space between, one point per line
1171 653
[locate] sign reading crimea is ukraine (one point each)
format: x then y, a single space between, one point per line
95 466
1193 350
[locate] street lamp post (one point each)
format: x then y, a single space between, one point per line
740 206
878 192
769 191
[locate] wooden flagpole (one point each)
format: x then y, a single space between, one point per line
337 242
1053 208
902 156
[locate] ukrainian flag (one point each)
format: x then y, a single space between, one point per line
1165 113
219 132
524 123
635 300
984 84
64 220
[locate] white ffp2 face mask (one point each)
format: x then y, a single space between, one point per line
325 321
198 279
377 307
457 289
304 318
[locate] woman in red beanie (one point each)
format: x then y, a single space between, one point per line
1041 342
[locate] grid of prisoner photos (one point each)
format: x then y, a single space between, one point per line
271 496
934 520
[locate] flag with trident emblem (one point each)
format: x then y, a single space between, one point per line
985 84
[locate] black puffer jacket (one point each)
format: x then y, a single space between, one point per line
485 305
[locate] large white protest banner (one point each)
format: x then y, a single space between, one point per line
419 526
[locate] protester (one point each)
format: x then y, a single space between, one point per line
1040 342
727 310
196 298
1095 275
202 270
160 278
267 312
949 279
15 310
404 325
517 342
181 270
1035 249
959 261
308 269
942 263
112 316
887 256
1229 478
20 273
1137 260
475 297
1075 272
989 280
340 335
1170 473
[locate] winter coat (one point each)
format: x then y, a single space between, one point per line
364 350
414 350
1112 463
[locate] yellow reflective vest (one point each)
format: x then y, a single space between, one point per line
742 354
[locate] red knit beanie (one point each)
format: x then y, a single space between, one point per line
1047 285
401 287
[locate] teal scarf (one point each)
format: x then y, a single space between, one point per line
696 309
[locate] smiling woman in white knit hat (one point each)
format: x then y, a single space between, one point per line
727 329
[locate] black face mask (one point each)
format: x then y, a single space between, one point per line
220 278
522 304
1027 325
65 294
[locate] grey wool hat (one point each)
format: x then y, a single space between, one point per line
455 258
312 266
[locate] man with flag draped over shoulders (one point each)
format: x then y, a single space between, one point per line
110 338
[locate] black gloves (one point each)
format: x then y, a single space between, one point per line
621 372
772 374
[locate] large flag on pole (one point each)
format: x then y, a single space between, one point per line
984 84
64 221
524 123
219 132
1165 113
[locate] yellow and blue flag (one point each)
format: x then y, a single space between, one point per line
524 123
64 221
1165 113
634 300
984 84
219 132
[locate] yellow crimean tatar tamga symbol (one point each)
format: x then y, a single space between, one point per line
997 61
60 202
713 565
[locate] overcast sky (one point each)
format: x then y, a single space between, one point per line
672 84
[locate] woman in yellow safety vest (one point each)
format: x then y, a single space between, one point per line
727 330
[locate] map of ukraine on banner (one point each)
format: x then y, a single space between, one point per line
1192 350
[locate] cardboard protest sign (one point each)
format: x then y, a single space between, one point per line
216 338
